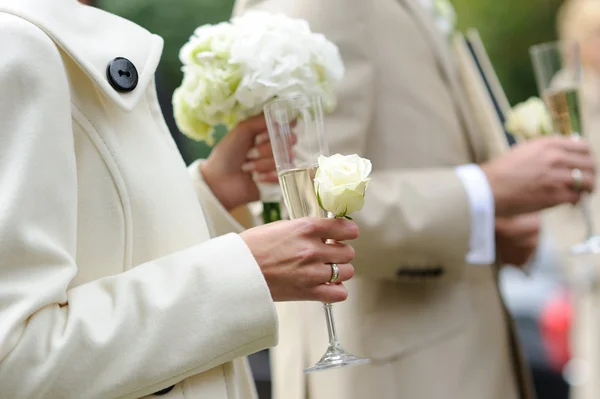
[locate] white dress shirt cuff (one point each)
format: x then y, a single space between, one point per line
482 244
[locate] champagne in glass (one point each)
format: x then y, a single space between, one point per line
301 119
299 192
564 108
558 73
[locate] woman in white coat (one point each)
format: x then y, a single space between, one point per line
110 286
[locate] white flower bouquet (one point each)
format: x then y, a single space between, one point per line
232 69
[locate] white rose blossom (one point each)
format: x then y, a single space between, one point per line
529 119
232 69
341 182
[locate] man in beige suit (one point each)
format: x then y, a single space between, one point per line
425 307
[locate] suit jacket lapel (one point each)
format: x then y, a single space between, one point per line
449 69
437 39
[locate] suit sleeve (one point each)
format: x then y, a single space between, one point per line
415 222
122 336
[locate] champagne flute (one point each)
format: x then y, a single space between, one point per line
297 167
558 72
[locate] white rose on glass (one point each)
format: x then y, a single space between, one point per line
529 120
341 182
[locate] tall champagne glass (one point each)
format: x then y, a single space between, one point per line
558 72
301 119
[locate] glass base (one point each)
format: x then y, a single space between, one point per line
334 358
591 246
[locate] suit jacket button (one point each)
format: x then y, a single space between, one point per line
437 272
405 272
164 391
122 75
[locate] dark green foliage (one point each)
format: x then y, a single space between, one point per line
508 28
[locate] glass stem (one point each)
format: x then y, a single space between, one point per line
587 216
333 340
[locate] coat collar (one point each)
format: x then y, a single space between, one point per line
92 38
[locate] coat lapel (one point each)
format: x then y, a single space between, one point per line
449 70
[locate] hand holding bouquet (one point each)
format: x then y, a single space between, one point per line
232 69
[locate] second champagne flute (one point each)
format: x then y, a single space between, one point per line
297 168
558 73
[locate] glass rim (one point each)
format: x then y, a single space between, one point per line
293 98
541 47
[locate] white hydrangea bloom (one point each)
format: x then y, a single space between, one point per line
231 70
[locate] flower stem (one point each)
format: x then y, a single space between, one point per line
271 212
587 216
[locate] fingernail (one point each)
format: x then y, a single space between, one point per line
262 138
253 153
265 176
248 167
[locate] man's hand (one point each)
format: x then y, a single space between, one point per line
244 151
539 174
517 238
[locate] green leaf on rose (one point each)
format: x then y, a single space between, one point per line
319 198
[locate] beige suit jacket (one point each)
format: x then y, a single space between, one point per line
109 284
434 326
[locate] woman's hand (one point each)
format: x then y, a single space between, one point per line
242 158
296 262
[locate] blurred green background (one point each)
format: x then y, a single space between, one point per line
507 27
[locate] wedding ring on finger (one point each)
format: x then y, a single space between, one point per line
335 273
577 179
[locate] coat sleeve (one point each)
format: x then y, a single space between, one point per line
122 336
413 220
219 219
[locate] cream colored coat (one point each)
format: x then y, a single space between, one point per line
434 326
109 284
